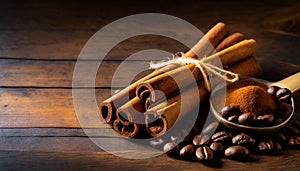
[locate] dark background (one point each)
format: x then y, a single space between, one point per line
39 45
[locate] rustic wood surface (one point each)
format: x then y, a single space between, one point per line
40 42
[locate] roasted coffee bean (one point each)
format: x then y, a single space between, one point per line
297 123
277 146
201 139
204 153
171 149
233 118
247 119
273 90
294 141
228 111
237 153
217 147
292 130
187 152
265 119
279 137
284 94
244 140
265 146
284 109
278 120
209 129
222 137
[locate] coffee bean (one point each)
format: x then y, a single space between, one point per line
284 94
222 137
201 139
297 123
233 118
265 146
294 141
273 90
292 130
265 119
187 152
228 111
284 109
247 119
204 153
244 140
209 129
237 153
171 149
279 137
277 146
217 147
278 120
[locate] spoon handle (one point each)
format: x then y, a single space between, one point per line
292 82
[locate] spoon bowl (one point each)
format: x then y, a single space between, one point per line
219 93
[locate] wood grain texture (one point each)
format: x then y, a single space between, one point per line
104 161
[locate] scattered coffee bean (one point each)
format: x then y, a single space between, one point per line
171 149
265 119
233 118
277 146
244 140
284 94
237 153
292 130
265 146
247 119
204 153
279 137
201 139
187 152
294 141
273 90
217 147
222 137
228 111
209 129
297 123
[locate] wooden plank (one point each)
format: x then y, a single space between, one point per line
66 45
28 73
13 160
40 107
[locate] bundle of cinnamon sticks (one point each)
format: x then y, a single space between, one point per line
155 101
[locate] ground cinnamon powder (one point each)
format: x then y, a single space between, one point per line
250 96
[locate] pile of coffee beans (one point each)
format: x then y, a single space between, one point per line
216 141
282 98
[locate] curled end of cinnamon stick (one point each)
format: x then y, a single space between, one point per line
155 126
107 112
143 91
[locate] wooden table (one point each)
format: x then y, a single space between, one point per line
39 44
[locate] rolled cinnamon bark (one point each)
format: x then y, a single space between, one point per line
229 41
166 116
108 107
167 84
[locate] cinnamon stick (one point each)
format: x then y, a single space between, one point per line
107 108
229 41
166 116
168 85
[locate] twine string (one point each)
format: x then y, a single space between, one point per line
201 64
